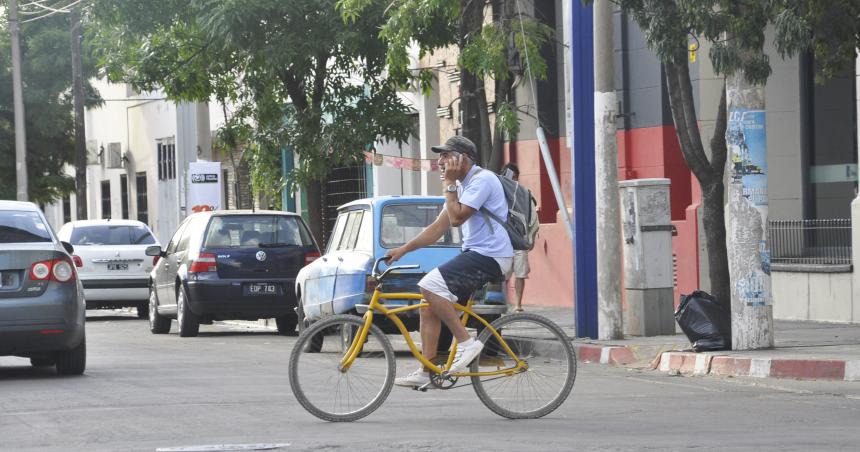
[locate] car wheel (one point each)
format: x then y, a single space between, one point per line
158 324
74 361
42 361
143 310
189 323
287 324
314 345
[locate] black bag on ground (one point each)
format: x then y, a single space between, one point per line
705 321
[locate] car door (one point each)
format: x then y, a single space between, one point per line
318 288
354 259
165 269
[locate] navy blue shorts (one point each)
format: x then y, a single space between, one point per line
462 276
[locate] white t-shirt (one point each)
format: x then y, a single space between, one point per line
483 189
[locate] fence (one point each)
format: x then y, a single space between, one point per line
810 242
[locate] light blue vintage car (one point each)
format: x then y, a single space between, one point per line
339 282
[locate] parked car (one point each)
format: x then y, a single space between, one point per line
364 231
229 265
113 265
42 311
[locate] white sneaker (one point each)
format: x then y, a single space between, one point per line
415 379
465 355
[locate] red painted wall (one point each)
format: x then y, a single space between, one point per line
550 281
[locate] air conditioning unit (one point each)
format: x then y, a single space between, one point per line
114 155
93 152
443 112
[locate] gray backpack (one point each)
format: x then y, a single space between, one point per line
522 223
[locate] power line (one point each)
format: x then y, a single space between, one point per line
52 11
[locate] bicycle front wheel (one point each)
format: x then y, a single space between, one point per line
327 391
548 378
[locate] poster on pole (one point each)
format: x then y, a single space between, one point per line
746 139
204 186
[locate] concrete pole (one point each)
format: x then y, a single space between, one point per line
20 118
609 316
746 216
80 130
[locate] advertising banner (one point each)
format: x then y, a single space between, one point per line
204 186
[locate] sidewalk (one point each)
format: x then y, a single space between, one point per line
803 350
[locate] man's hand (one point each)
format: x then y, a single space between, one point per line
455 169
395 254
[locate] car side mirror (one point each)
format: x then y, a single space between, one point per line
153 250
69 248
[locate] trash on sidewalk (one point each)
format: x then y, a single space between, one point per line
705 321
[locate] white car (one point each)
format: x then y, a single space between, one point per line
112 262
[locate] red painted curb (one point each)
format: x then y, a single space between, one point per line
808 369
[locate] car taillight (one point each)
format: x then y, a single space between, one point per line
370 285
59 270
78 261
311 256
62 271
204 263
41 270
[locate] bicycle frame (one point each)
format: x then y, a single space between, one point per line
392 314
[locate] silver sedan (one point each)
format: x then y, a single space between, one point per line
42 308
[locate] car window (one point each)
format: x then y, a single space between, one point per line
365 233
350 232
174 241
337 233
253 231
19 226
402 222
193 228
108 234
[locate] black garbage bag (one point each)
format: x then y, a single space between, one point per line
706 321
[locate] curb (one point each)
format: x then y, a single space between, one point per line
738 366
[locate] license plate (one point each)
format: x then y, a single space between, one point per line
261 289
117 266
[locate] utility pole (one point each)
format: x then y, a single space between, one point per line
18 100
746 216
610 323
80 131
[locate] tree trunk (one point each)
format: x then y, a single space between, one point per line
470 25
708 173
80 131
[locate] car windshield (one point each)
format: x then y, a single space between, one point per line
19 226
109 234
254 231
402 222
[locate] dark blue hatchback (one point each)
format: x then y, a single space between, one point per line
230 265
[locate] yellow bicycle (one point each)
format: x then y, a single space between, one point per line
342 368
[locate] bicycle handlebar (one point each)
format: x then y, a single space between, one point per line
380 276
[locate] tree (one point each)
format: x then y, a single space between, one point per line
47 76
489 52
736 31
298 76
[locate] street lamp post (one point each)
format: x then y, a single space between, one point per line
18 99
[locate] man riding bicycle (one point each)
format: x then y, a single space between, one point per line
487 252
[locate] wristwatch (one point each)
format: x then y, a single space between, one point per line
451 188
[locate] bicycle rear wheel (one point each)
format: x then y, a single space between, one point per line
544 385
318 382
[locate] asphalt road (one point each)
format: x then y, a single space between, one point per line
229 386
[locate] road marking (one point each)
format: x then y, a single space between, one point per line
223 447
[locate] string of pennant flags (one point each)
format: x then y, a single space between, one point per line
405 163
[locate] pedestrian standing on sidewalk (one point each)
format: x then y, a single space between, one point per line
487 252
521 257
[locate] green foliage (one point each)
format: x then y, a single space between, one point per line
736 30
47 77
295 74
507 119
